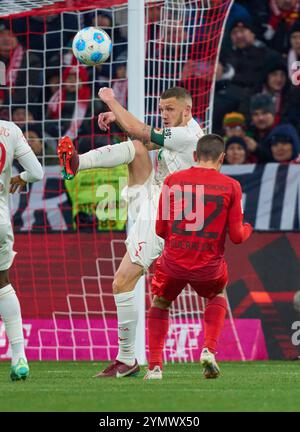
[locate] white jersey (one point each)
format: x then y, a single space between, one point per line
13 145
178 150
177 153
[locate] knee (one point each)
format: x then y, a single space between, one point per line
140 149
161 303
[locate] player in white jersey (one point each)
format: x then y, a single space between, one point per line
13 145
176 143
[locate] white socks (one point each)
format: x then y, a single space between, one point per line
127 322
108 156
10 313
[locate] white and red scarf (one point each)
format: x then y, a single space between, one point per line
14 66
57 101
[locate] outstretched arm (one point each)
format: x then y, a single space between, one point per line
127 121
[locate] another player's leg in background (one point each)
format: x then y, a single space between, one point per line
214 318
165 289
158 325
10 313
124 283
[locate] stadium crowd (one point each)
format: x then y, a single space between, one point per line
257 98
256 104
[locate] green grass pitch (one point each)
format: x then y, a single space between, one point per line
70 386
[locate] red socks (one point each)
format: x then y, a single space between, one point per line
158 324
214 317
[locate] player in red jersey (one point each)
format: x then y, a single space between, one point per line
197 207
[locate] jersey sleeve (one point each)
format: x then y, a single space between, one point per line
238 232
174 138
27 159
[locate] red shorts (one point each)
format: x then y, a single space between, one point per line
168 287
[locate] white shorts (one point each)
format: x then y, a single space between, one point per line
7 253
135 196
143 245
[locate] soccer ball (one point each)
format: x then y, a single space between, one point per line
91 46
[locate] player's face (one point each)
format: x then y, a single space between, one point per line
174 112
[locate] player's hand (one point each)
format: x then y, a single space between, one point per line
106 94
105 119
16 184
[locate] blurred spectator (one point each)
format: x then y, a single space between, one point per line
234 124
44 153
282 15
238 12
22 115
291 113
248 58
223 102
276 85
120 85
17 62
70 105
294 53
262 111
48 33
52 83
285 144
34 138
104 20
102 76
236 151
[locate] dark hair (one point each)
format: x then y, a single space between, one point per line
176 92
236 140
210 147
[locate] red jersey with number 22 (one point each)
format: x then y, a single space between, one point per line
194 246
